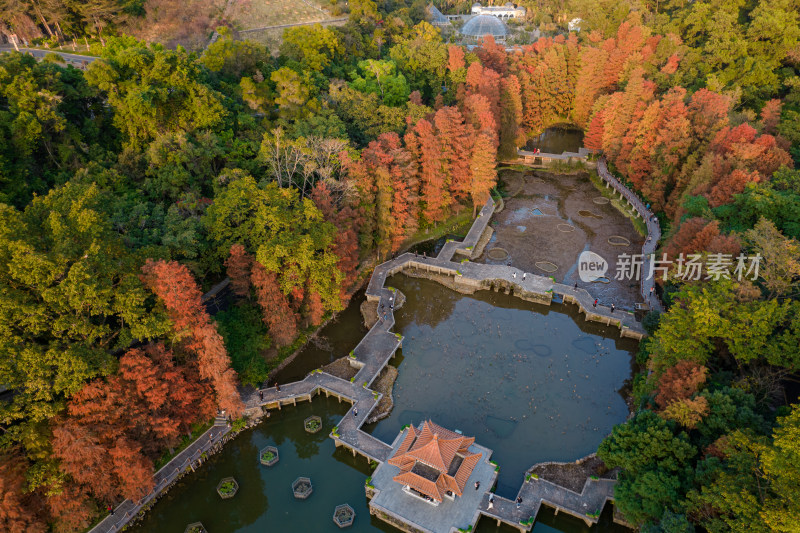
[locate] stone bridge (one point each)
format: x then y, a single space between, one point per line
545 159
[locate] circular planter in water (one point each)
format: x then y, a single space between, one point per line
268 456
301 488
344 515
312 424
498 254
227 488
196 527
547 266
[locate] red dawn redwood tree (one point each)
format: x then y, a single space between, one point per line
593 140
281 320
347 222
20 510
176 287
454 138
238 267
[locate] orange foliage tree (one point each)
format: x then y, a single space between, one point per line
175 286
278 314
238 267
680 382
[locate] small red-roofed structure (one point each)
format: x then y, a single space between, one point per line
434 462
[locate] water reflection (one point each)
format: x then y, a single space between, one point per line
531 382
557 139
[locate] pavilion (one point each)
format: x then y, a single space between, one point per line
434 462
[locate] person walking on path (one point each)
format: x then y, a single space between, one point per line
519 501
612 308
523 275
355 411
277 387
261 395
477 485
652 291
576 285
594 304
514 275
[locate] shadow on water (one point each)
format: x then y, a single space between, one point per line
533 383
334 341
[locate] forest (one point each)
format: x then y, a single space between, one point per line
128 190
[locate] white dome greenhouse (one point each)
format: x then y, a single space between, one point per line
481 25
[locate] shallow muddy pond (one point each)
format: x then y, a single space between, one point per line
531 382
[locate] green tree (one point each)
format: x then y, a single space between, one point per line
423 58
288 236
656 465
381 78
71 295
246 340
313 47
50 123
294 94
233 59
153 90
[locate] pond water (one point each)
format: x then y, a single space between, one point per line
511 373
533 383
557 139
336 339
265 501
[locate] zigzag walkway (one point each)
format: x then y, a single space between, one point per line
587 505
380 344
348 432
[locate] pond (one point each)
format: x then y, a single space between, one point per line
557 139
531 382
265 501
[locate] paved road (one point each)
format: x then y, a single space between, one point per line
73 59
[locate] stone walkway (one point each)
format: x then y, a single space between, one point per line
587 505
653 231
162 479
380 344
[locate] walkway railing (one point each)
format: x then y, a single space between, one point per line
587 505
380 344
653 232
127 510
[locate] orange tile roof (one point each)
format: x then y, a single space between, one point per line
465 470
435 447
419 483
405 445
